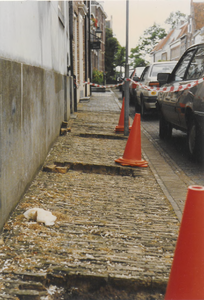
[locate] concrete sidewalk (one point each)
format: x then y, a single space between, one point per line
115 232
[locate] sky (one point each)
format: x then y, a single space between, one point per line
142 15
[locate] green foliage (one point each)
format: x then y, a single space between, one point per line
120 60
112 46
151 38
147 42
120 57
175 17
115 54
97 76
136 59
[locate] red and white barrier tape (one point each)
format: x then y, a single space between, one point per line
176 87
98 85
104 86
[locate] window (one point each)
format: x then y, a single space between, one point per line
144 74
196 68
181 70
164 56
162 68
175 53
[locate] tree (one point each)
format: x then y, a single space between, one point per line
175 17
136 59
112 46
120 58
147 42
150 38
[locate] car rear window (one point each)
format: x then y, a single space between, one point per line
163 68
183 65
196 68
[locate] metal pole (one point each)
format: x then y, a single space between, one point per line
98 59
126 106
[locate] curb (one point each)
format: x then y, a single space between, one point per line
176 208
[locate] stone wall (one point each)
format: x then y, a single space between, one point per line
33 104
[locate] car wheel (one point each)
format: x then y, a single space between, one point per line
194 141
165 128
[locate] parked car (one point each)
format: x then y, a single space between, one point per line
139 71
146 100
132 86
132 74
120 80
184 109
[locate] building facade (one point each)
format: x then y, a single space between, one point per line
182 36
80 47
98 22
45 60
173 45
35 91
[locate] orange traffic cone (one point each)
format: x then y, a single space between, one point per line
120 126
132 154
187 271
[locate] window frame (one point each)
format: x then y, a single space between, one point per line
172 76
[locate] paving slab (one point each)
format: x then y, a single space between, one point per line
115 227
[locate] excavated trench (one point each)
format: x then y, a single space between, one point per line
65 166
80 287
66 284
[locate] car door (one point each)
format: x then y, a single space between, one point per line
171 100
139 89
192 98
131 85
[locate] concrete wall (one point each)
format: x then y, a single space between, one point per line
34 92
31 32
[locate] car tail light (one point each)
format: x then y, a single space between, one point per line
154 83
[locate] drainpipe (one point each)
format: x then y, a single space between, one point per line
71 34
89 44
86 54
71 55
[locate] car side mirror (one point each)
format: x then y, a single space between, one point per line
163 78
135 78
